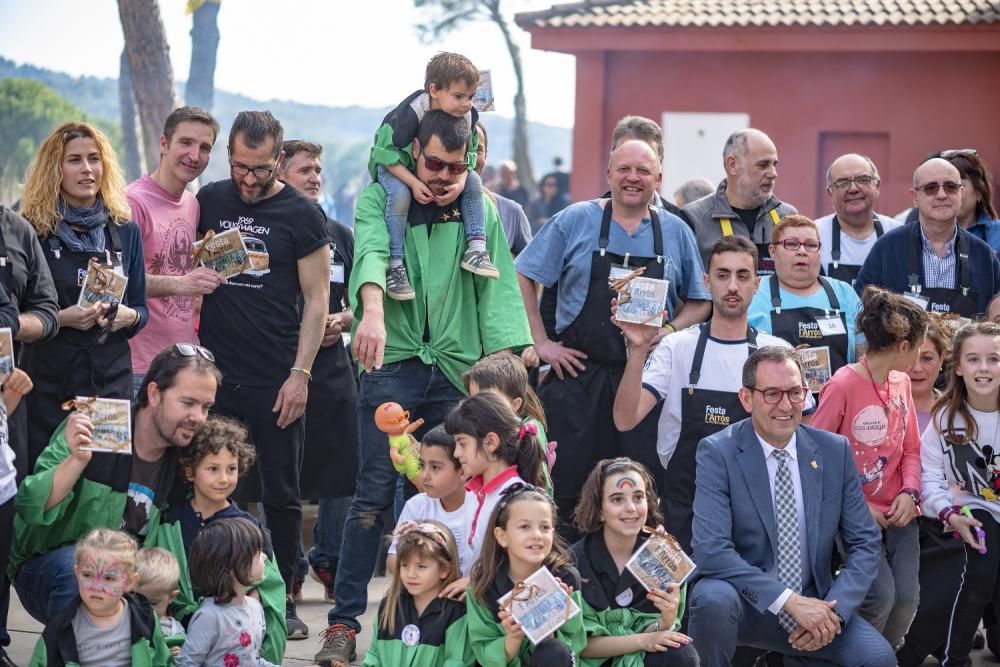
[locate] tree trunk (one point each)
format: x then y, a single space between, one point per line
152 76
204 44
525 174
132 161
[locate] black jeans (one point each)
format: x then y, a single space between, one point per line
279 458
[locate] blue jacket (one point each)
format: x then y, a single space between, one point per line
735 538
987 229
886 265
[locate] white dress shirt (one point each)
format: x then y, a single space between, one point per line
772 471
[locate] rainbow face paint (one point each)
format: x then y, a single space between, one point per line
625 483
99 575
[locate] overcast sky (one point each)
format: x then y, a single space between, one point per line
310 51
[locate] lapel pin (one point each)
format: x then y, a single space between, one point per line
813 464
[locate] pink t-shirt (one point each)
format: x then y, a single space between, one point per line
168 225
885 443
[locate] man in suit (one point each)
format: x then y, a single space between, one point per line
772 497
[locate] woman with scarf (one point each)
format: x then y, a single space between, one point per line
74 197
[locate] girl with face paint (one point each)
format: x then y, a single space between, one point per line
107 624
626 625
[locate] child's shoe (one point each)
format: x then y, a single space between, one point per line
397 284
478 262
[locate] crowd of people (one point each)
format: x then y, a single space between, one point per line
809 420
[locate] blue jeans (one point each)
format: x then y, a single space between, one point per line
46 584
136 384
427 394
328 535
397 207
892 600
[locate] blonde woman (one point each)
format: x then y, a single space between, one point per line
74 198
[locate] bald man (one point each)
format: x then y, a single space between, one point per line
848 234
744 203
935 263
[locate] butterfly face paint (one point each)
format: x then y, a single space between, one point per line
101 575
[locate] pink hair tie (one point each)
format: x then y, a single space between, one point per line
527 429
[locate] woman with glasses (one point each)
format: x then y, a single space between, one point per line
804 308
869 402
74 197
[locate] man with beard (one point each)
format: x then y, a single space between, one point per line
414 352
744 203
73 491
167 216
265 344
696 373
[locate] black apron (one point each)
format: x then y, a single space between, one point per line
704 412
579 409
329 468
961 301
810 327
73 363
846 272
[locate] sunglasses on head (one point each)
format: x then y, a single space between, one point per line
190 350
109 316
434 164
952 152
931 189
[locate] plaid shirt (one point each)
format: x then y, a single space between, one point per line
939 271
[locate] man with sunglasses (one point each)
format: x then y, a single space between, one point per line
265 342
848 234
414 352
935 263
73 491
773 499
799 305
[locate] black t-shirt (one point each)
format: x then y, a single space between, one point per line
748 216
251 322
144 481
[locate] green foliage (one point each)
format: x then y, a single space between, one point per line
28 112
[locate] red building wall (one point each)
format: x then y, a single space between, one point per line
899 106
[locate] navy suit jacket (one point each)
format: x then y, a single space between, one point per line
735 538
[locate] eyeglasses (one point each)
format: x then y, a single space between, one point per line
931 189
795 395
190 350
260 173
860 181
435 164
952 152
794 244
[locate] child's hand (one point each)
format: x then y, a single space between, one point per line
175 651
455 590
511 627
667 603
422 193
79 433
656 642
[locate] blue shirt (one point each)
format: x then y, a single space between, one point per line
759 314
939 271
987 229
562 251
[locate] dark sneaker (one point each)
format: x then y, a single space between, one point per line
5 660
296 629
478 261
397 284
325 576
297 582
338 647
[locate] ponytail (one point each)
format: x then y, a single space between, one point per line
529 456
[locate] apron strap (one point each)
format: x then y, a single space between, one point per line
879 229
963 262
828 288
751 339
657 235
915 266
55 245
3 246
727 226
602 243
699 355
835 243
775 293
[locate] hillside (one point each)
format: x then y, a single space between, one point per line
344 131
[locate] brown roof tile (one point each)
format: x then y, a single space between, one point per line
730 13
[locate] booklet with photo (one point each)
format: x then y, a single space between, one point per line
6 354
102 284
641 300
660 561
112 420
225 253
483 99
815 366
540 605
